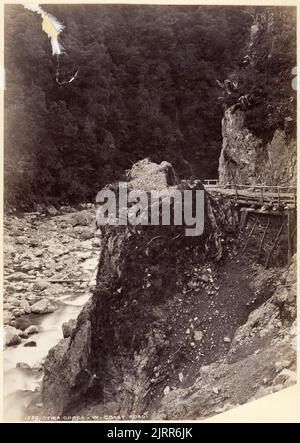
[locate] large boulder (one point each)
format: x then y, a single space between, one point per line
12 336
148 176
40 284
42 307
32 329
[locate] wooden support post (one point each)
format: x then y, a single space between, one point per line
278 195
251 232
262 239
244 218
262 194
273 246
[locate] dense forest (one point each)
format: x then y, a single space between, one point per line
148 85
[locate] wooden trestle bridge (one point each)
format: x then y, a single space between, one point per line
272 210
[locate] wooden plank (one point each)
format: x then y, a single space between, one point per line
249 202
262 239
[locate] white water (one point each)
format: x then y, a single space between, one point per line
21 384
50 332
50 326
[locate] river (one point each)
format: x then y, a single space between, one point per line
22 386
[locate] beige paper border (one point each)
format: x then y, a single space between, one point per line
281 407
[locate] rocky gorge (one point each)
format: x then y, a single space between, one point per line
141 321
171 323
172 327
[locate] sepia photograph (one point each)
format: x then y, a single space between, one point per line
149 210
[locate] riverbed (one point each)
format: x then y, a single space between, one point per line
60 253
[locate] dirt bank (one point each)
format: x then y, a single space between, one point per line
165 307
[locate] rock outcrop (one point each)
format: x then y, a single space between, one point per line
245 159
121 332
162 336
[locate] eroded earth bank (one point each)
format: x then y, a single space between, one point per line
178 327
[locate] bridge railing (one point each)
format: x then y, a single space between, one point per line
266 192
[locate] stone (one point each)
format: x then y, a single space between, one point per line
68 328
8 317
14 301
42 307
31 343
40 284
12 336
17 276
198 335
280 365
81 218
8 249
23 334
31 298
37 367
21 323
85 233
148 176
22 365
39 252
285 375
33 329
33 242
25 305
18 312
205 278
27 267
226 340
20 240
52 210
167 390
96 242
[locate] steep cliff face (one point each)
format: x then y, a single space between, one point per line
258 127
245 159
